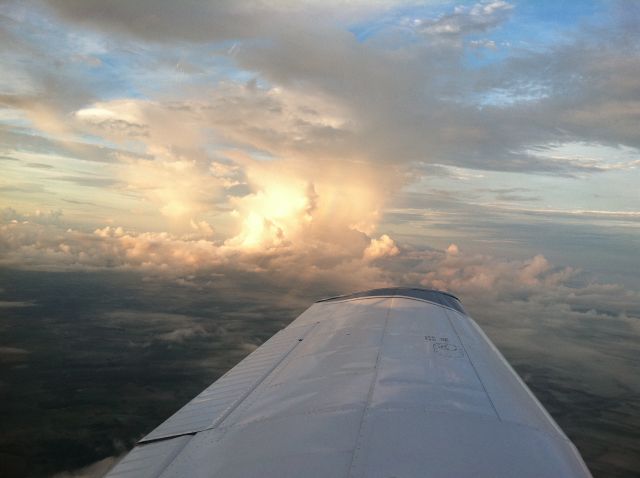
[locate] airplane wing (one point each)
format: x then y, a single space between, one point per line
384 383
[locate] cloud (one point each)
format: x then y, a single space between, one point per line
490 44
299 189
453 249
10 215
460 121
168 328
198 21
88 181
22 188
39 166
357 261
487 279
12 355
477 18
382 247
183 334
524 298
299 255
529 306
294 155
191 21
349 120
319 94
94 470
8 304
184 180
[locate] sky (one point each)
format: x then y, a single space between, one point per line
321 135
302 149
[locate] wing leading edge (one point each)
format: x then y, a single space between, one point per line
390 382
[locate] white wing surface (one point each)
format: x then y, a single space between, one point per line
385 383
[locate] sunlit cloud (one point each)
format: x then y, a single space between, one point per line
284 164
284 133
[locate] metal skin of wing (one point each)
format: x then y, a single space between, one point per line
385 383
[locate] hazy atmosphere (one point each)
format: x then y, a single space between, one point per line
179 180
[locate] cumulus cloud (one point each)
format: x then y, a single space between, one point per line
304 173
477 274
358 261
453 249
485 281
303 256
526 299
51 217
384 246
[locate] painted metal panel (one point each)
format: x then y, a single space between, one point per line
511 397
148 461
382 385
423 364
443 445
310 445
219 399
314 378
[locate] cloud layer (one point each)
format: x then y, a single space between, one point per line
275 141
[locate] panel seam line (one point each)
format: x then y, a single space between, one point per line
455 331
243 397
370 392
